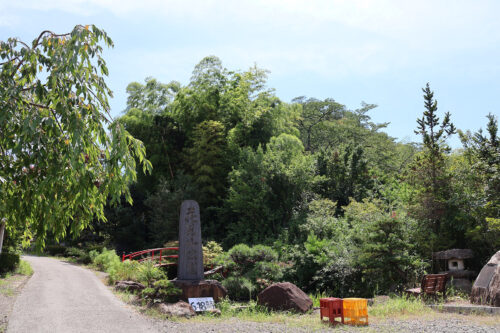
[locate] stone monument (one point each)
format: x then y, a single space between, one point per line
190 273
190 264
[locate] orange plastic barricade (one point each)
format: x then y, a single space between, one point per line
355 311
331 308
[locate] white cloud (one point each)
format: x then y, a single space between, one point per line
329 37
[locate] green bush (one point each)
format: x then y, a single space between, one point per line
55 250
241 254
94 247
127 270
250 269
162 291
148 273
262 253
239 288
8 262
210 252
80 255
106 260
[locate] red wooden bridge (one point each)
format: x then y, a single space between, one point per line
154 255
166 260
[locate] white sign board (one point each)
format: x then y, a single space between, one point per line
202 303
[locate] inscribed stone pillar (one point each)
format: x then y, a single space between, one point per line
190 265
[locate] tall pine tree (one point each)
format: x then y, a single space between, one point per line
429 168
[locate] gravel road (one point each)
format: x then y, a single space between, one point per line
61 297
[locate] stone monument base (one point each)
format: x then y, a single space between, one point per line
203 288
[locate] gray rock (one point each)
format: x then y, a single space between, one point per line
179 309
215 312
128 286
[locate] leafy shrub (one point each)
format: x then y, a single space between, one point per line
127 270
250 270
264 253
80 255
106 260
55 250
93 255
8 262
161 291
94 247
210 252
323 265
241 254
148 273
239 288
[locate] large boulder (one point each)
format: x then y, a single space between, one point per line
284 296
486 288
203 288
179 309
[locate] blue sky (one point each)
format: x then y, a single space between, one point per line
381 52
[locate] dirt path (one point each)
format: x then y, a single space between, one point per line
61 297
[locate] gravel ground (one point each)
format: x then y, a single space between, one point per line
8 292
452 325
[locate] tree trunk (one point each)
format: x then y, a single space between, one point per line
2 229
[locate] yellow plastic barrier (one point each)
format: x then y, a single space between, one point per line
355 311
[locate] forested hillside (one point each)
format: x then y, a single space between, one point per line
326 187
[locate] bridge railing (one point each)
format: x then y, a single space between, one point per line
153 254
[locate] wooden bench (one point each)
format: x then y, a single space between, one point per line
432 285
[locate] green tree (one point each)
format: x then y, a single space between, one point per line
267 189
324 258
385 244
429 167
316 120
482 152
152 97
58 162
207 161
346 175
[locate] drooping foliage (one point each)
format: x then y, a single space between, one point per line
61 156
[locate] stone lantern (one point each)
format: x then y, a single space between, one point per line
452 262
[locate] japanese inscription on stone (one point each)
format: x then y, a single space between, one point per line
190 265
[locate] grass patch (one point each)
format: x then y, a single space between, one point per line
8 280
24 268
251 311
398 306
316 297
